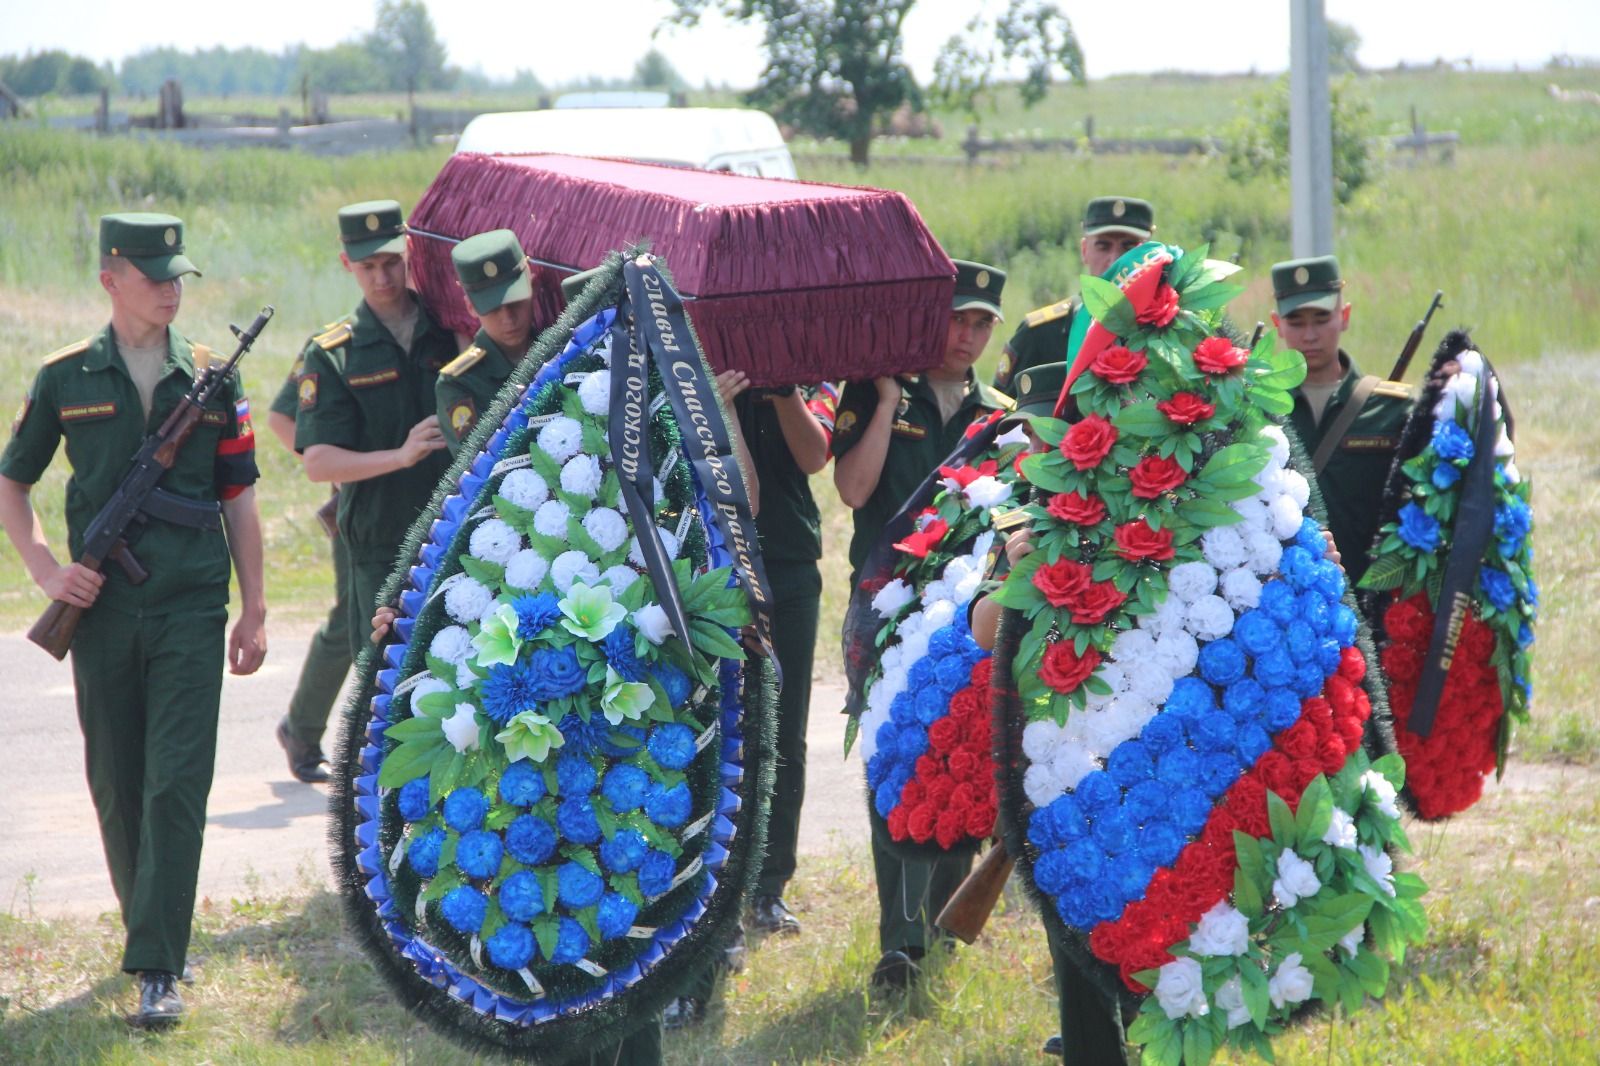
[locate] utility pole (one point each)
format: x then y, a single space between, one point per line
1310 130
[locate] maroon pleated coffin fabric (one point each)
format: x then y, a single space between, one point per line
792 282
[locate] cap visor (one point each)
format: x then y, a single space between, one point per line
164 267
358 250
1321 301
495 296
967 303
1142 234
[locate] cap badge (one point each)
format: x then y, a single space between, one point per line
1119 209
1024 384
982 280
490 269
1301 275
172 236
372 223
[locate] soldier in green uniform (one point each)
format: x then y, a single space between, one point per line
328 658
494 272
888 436
366 405
147 658
1350 422
1112 227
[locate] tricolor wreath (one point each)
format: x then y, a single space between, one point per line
547 804
925 732
1463 735
1187 792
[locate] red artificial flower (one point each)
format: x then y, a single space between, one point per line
1402 663
965 703
1076 509
1350 731
952 824
1217 355
1331 752
1136 540
1088 442
1153 476
1305 771
982 675
1408 621
928 766
981 818
1118 365
1063 669
965 766
897 821
940 789
1299 741
924 540
1161 310
1096 601
1352 665
1276 773
913 793
1062 581
962 476
983 424
1186 408
944 734
921 823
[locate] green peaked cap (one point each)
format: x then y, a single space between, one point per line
151 242
978 285
492 269
1038 388
1106 214
1313 282
573 284
372 226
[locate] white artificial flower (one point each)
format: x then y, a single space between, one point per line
1341 830
968 585
525 488
938 616
1296 880
1512 476
1271 482
580 475
1298 488
488 612
1113 675
1291 984
1503 446
560 438
1190 581
1287 517
1230 998
1222 931
453 644
428 686
1382 793
1133 645
1277 443
1015 435
1223 547
494 541
1263 551
550 520
1351 942
1379 866
1463 389
1168 617
1108 725
669 544
466 600
1470 361
651 620
594 392
1039 783
465 678
1149 680
1071 764
980 549
526 570
1241 588
572 566
602 348
986 492
1181 990
608 528
1252 511
1176 653
461 728
1209 618
1040 740
619 577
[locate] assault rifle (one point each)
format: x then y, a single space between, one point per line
1400 364
969 908
138 499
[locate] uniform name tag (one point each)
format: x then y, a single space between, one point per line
377 377
902 428
214 418
1369 444
78 412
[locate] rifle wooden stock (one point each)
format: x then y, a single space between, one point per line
56 627
969 908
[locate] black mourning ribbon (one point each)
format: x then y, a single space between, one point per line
1473 528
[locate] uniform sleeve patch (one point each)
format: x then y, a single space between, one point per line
22 414
462 414
307 390
846 423
84 412
377 377
1002 370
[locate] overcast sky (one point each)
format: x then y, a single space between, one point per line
563 42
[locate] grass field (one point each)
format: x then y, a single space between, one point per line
1508 232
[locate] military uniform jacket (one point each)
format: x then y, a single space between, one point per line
1352 483
917 444
84 395
467 386
359 391
789 525
1041 337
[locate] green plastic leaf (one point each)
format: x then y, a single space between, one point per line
1282 819
1102 299
1386 572
1143 420
1207 512
1043 470
1235 464
1315 812
409 761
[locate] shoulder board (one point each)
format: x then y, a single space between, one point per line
333 338
1041 315
1395 390
463 362
995 398
202 357
75 348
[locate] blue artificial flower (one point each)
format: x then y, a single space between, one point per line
1445 475
1329 579
1308 678
1300 640
464 907
619 653
953 674
675 683
1066 819
584 736
521 896
1345 625
1097 793
1298 567
1256 632
512 946
1052 873
1160 842
1329 654
1165 731
575 775
414 803
1074 911
530 839
921 674
1533 593
932 703
622 741
555 672
1524 635
1452 442
1222 662
946 641
1145 800
903 711
1114 831
1252 743
1244 700
1130 877
1278 601
656 873
1524 684
572 943
624 788
885 798
913 741
1086 858
901 775
615 916
1131 763
1275 669
1218 770
535 614
1214 732
464 809
1418 528
423 852
878 766
521 785
1178 768
1104 902
672 746
1283 709
1512 521
478 854
668 807
1190 699
1316 611
624 852
577 886
1190 809
508 691
1496 584
576 820
1310 538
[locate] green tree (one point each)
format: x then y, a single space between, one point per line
963 71
655 71
834 67
406 46
1041 37
1344 41
1257 140
52 71
345 68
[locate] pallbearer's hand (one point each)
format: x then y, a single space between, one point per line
730 383
382 618
75 584
247 645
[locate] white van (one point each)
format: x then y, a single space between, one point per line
709 138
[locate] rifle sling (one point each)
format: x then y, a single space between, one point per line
1346 418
